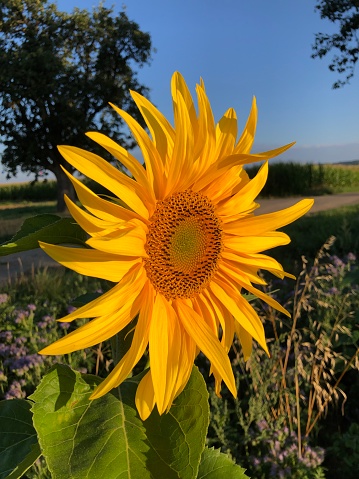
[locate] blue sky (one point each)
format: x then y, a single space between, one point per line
244 48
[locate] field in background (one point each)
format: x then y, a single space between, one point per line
295 179
284 179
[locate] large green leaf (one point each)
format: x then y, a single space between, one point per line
82 438
177 438
105 438
19 448
48 228
215 465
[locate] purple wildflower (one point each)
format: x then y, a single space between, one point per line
15 391
64 326
4 298
71 309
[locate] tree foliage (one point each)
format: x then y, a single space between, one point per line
58 71
345 43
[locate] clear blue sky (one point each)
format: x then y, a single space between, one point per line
243 48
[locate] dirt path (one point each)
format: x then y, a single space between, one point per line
15 265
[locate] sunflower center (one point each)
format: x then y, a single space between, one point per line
184 243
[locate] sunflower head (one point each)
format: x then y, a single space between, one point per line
182 251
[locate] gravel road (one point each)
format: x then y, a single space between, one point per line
15 265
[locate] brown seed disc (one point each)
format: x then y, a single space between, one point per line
184 243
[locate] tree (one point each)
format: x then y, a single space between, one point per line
346 42
58 71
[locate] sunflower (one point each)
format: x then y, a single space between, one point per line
181 242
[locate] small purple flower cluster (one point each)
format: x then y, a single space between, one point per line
279 456
337 267
16 357
4 298
18 360
15 390
25 331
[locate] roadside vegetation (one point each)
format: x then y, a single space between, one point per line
296 414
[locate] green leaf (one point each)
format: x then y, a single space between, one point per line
216 465
19 448
48 228
177 438
249 297
29 460
101 438
30 225
106 438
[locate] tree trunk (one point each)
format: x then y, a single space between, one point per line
64 186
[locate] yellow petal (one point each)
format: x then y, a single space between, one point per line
179 88
99 329
257 225
91 262
246 140
113 299
101 171
206 141
207 342
243 270
247 158
226 134
217 169
90 223
137 349
124 157
165 347
188 354
99 207
205 309
153 161
225 186
259 261
161 130
145 397
241 310
124 242
242 281
255 244
243 200
245 339
180 165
